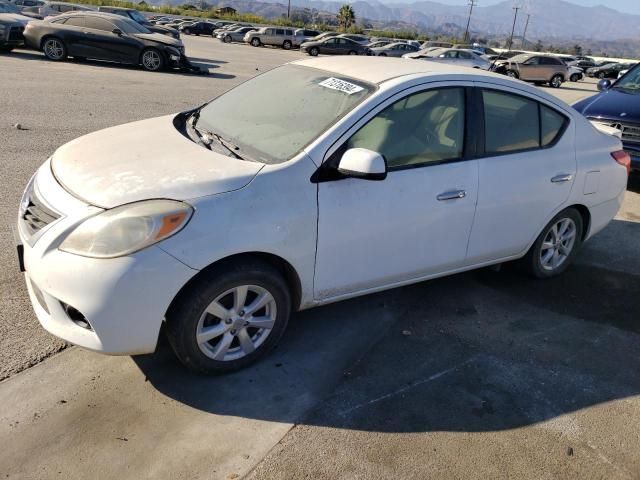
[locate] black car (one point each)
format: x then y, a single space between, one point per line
609 70
334 46
104 36
198 28
618 105
138 17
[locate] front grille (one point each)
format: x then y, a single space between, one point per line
16 34
36 214
630 131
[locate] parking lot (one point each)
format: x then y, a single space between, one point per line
479 375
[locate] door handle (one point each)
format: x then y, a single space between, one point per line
564 177
452 195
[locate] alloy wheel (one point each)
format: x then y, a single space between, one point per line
54 49
236 323
558 244
151 60
556 81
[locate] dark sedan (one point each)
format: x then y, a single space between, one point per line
138 17
198 28
610 70
618 105
334 46
104 36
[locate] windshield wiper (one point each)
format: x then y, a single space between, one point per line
206 137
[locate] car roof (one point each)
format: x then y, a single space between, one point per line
378 70
91 13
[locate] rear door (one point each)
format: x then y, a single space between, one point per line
73 30
109 46
525 173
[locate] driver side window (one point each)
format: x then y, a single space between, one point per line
423 128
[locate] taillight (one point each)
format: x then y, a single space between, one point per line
623 159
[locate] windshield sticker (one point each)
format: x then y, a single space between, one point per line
341 85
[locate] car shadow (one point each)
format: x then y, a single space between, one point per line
577 89
633 184
479 351
207 60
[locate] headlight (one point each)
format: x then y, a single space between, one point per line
127 229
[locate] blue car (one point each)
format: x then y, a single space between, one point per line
618 105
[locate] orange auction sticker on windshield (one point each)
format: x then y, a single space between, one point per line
341 85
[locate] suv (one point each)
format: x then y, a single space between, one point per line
11 28
304 35
535 68
277 36
139 18
198 28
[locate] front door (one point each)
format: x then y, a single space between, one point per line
525 176
417 221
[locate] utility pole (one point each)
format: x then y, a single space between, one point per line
513 29
472 3
289 10
526 25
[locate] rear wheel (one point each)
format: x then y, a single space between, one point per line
556 81
54 49
152 60
287 45
230 318
575 77
314 51
557 245
353 52
227 39
255 42
601 75
512 74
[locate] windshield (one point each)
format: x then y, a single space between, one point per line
129 26
275 115
8 8
138 17
631 81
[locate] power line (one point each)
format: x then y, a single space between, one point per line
513 29
472 3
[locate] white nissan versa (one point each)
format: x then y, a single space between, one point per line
318 181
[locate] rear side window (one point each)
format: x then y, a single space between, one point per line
279 31
98 24
75 21
514 123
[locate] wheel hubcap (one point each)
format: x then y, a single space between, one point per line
151 60
558 244
54 49
236 323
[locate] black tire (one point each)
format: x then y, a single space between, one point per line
601 75
187 31
227 39
575 77
532 263
512 74
158 62
287 45
556 81
353 52
381 55
185 313
314 51
47 49
255 42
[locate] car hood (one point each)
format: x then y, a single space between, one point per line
612 105
14 18
144 160
160 28
160 38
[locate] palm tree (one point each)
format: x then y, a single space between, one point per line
346 16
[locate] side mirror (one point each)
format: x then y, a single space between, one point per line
117 31
604 84
364 164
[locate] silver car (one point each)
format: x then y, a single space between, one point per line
235 34
454 56
276 36
396 49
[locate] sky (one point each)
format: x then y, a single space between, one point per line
628 6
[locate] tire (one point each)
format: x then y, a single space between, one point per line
547 244
601 75
227 39
255 42
189 316
152 60
287 44
5 49
381 55
314 51
187 31
512 74
575 77
54 49
556 81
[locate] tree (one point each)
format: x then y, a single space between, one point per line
346 16
538 46
577 49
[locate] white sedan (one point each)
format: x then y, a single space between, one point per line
318 181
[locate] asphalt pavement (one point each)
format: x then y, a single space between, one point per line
479 375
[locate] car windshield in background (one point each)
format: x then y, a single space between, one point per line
630 82
129 26
275 115
138 17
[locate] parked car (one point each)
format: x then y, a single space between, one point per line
583 64
575 74
535 68
236 35
50 9
334 46
139 18
304 35
197 28
324 35
12 8
29 8
622 73
504 55
379 43
396 49
276 36
11 31
609 70
104 36
476 47
432 43
361 39
618 106
149 212
463 58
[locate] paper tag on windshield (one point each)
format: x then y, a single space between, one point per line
341 85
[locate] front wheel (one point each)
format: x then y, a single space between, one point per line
152 60
556 81
556 247
227 39
575 77
54 49
601 75
230 318
287 45
314 52
255 42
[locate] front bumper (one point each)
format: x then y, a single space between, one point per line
123 300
